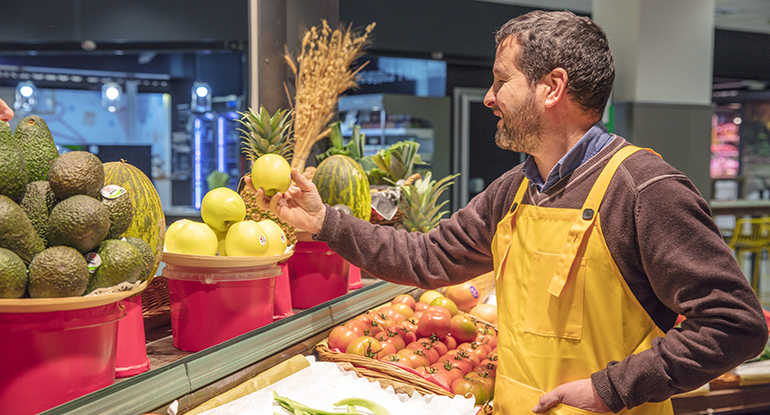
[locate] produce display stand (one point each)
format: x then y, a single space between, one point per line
197 377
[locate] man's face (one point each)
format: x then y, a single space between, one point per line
513 100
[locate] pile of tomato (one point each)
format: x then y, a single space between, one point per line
447 347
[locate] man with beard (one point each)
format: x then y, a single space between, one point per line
597 245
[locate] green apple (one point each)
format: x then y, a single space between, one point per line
246 238
195 238
168 240
276 239
272 173
222 207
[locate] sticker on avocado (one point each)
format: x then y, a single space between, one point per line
112 191
94 261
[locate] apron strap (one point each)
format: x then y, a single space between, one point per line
577 231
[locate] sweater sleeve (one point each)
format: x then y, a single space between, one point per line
692 272
458 250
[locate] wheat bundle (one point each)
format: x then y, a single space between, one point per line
322 71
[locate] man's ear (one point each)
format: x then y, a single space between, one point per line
555 86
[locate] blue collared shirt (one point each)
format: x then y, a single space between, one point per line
588 146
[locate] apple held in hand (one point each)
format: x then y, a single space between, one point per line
194 238
272 173
221 207
246 238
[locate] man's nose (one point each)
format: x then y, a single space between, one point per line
489 98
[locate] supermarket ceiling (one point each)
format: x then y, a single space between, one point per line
738 15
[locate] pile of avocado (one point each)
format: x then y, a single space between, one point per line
61 225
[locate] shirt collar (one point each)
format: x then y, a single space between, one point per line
594 140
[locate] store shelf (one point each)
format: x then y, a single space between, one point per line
191 379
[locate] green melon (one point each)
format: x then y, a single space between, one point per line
149 221
340 180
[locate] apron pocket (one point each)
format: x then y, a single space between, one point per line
548 315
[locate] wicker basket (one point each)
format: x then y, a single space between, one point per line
155 299
386 374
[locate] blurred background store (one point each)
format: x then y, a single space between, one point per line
160 84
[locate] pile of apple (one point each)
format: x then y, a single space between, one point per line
224 230
430 337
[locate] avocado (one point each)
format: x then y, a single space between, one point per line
120 262
121 209
76 173
78 221
37 201
148 257
13 275
36 146
13 170
17 232
59 271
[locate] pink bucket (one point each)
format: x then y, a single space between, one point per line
51 358
283 306
354 278
210 306
131 358
317 274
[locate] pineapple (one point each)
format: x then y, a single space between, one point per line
418 203
265 134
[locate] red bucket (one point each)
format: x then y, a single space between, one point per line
317 274
51 358
283 305
354 278
210 306
131 358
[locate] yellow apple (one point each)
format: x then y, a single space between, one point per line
275 237
272 173
246 238
168 240
222 207
195 238
221 249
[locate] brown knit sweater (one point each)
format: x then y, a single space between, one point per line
661 235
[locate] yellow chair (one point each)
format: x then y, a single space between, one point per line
751 235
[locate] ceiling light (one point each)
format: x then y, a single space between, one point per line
111 96
201 97
26 96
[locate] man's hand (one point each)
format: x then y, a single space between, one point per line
579 394
301 206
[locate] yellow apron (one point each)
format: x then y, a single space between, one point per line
565 310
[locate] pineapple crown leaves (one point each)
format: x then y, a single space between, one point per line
354 149
265 134
397 162
418 201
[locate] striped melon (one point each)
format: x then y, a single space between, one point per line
341 180
149 221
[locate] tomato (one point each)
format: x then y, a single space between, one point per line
472 358
416 317
486 312
452 372
406 330
427 348
480 350
357 326
487 380
420 306
487 366
397 358
374 329
439 346
446 303
364 346
366 319
416 357
387 348
391 337
404 299
492 355
462 364
489 339
450 342
471 388
438 308
340 337
390 312
434 324
403 309
463 329
425 371
465 295
429 295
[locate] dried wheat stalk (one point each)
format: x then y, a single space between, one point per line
322 72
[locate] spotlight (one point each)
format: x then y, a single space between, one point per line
26 96
111 96
201 97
